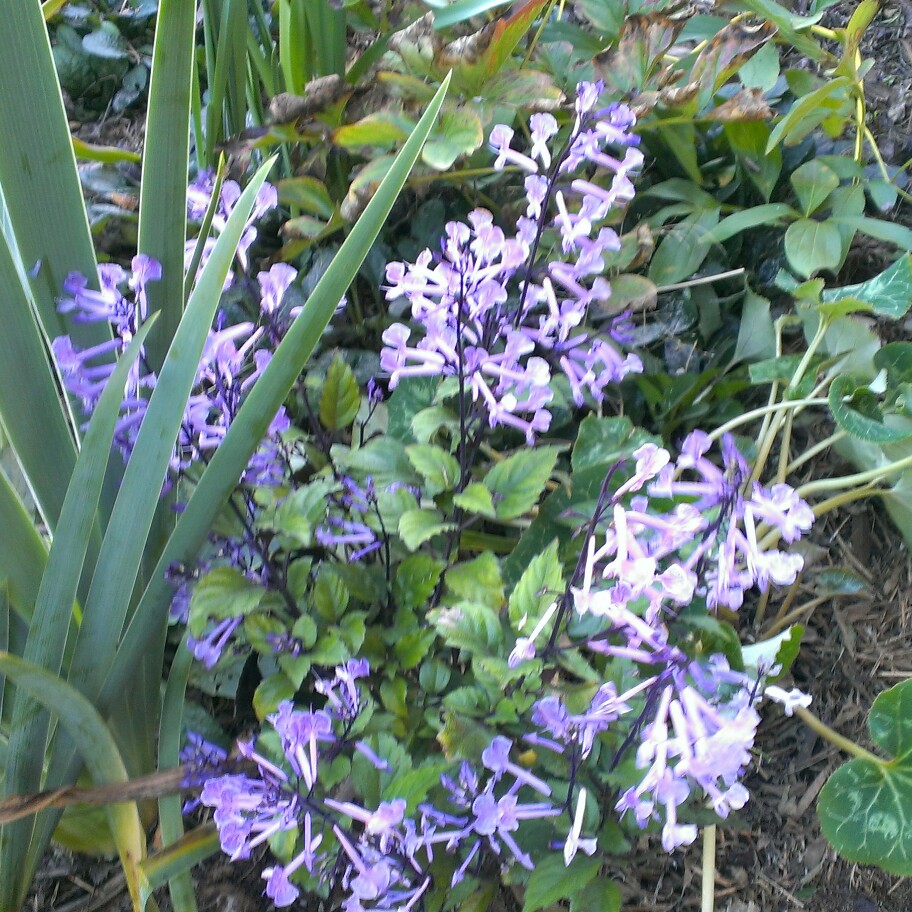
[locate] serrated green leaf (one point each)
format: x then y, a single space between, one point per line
478 580
223 592
476 498
538 587
600 895
602 442
270 692
436 466
341 398
517 482
383 459
417 526
865 807
458 132
416 579
552 880
468 625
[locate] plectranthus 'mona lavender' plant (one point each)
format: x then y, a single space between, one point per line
695 721
496 319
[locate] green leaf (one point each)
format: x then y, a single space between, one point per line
896 359
383 458
435 465
470 626
383 129
601 895
478 580
517 482
684 247
417 526
173 863
756 332
552 880
98 750
602 442
166 152
748 141
811 246
813 182
341 398
768 214
888 294
51 622
762 69
868 427
106 41
458 132
416 579
270 692
476 498
541 583
808 113
865 808
223 592
306 193
881 230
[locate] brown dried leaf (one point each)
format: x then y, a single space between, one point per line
748 104
419 38
319 94
642 42
731 47
467 50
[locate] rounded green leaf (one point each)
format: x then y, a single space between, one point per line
865 807
813 183
811 246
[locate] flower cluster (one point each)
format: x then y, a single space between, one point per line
382 854
232 359
697 722
493 318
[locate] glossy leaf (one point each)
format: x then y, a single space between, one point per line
517 482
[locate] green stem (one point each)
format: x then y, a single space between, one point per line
829 734
811 453
851 481
753 414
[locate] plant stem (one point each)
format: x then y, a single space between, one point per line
708 893
829 734
859 478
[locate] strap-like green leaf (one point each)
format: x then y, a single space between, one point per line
41 435
125 540
53 607
38 169
99 751
163 194
23 554
170 814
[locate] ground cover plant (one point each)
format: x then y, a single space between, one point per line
502 581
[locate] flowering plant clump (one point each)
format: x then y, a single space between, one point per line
526 632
